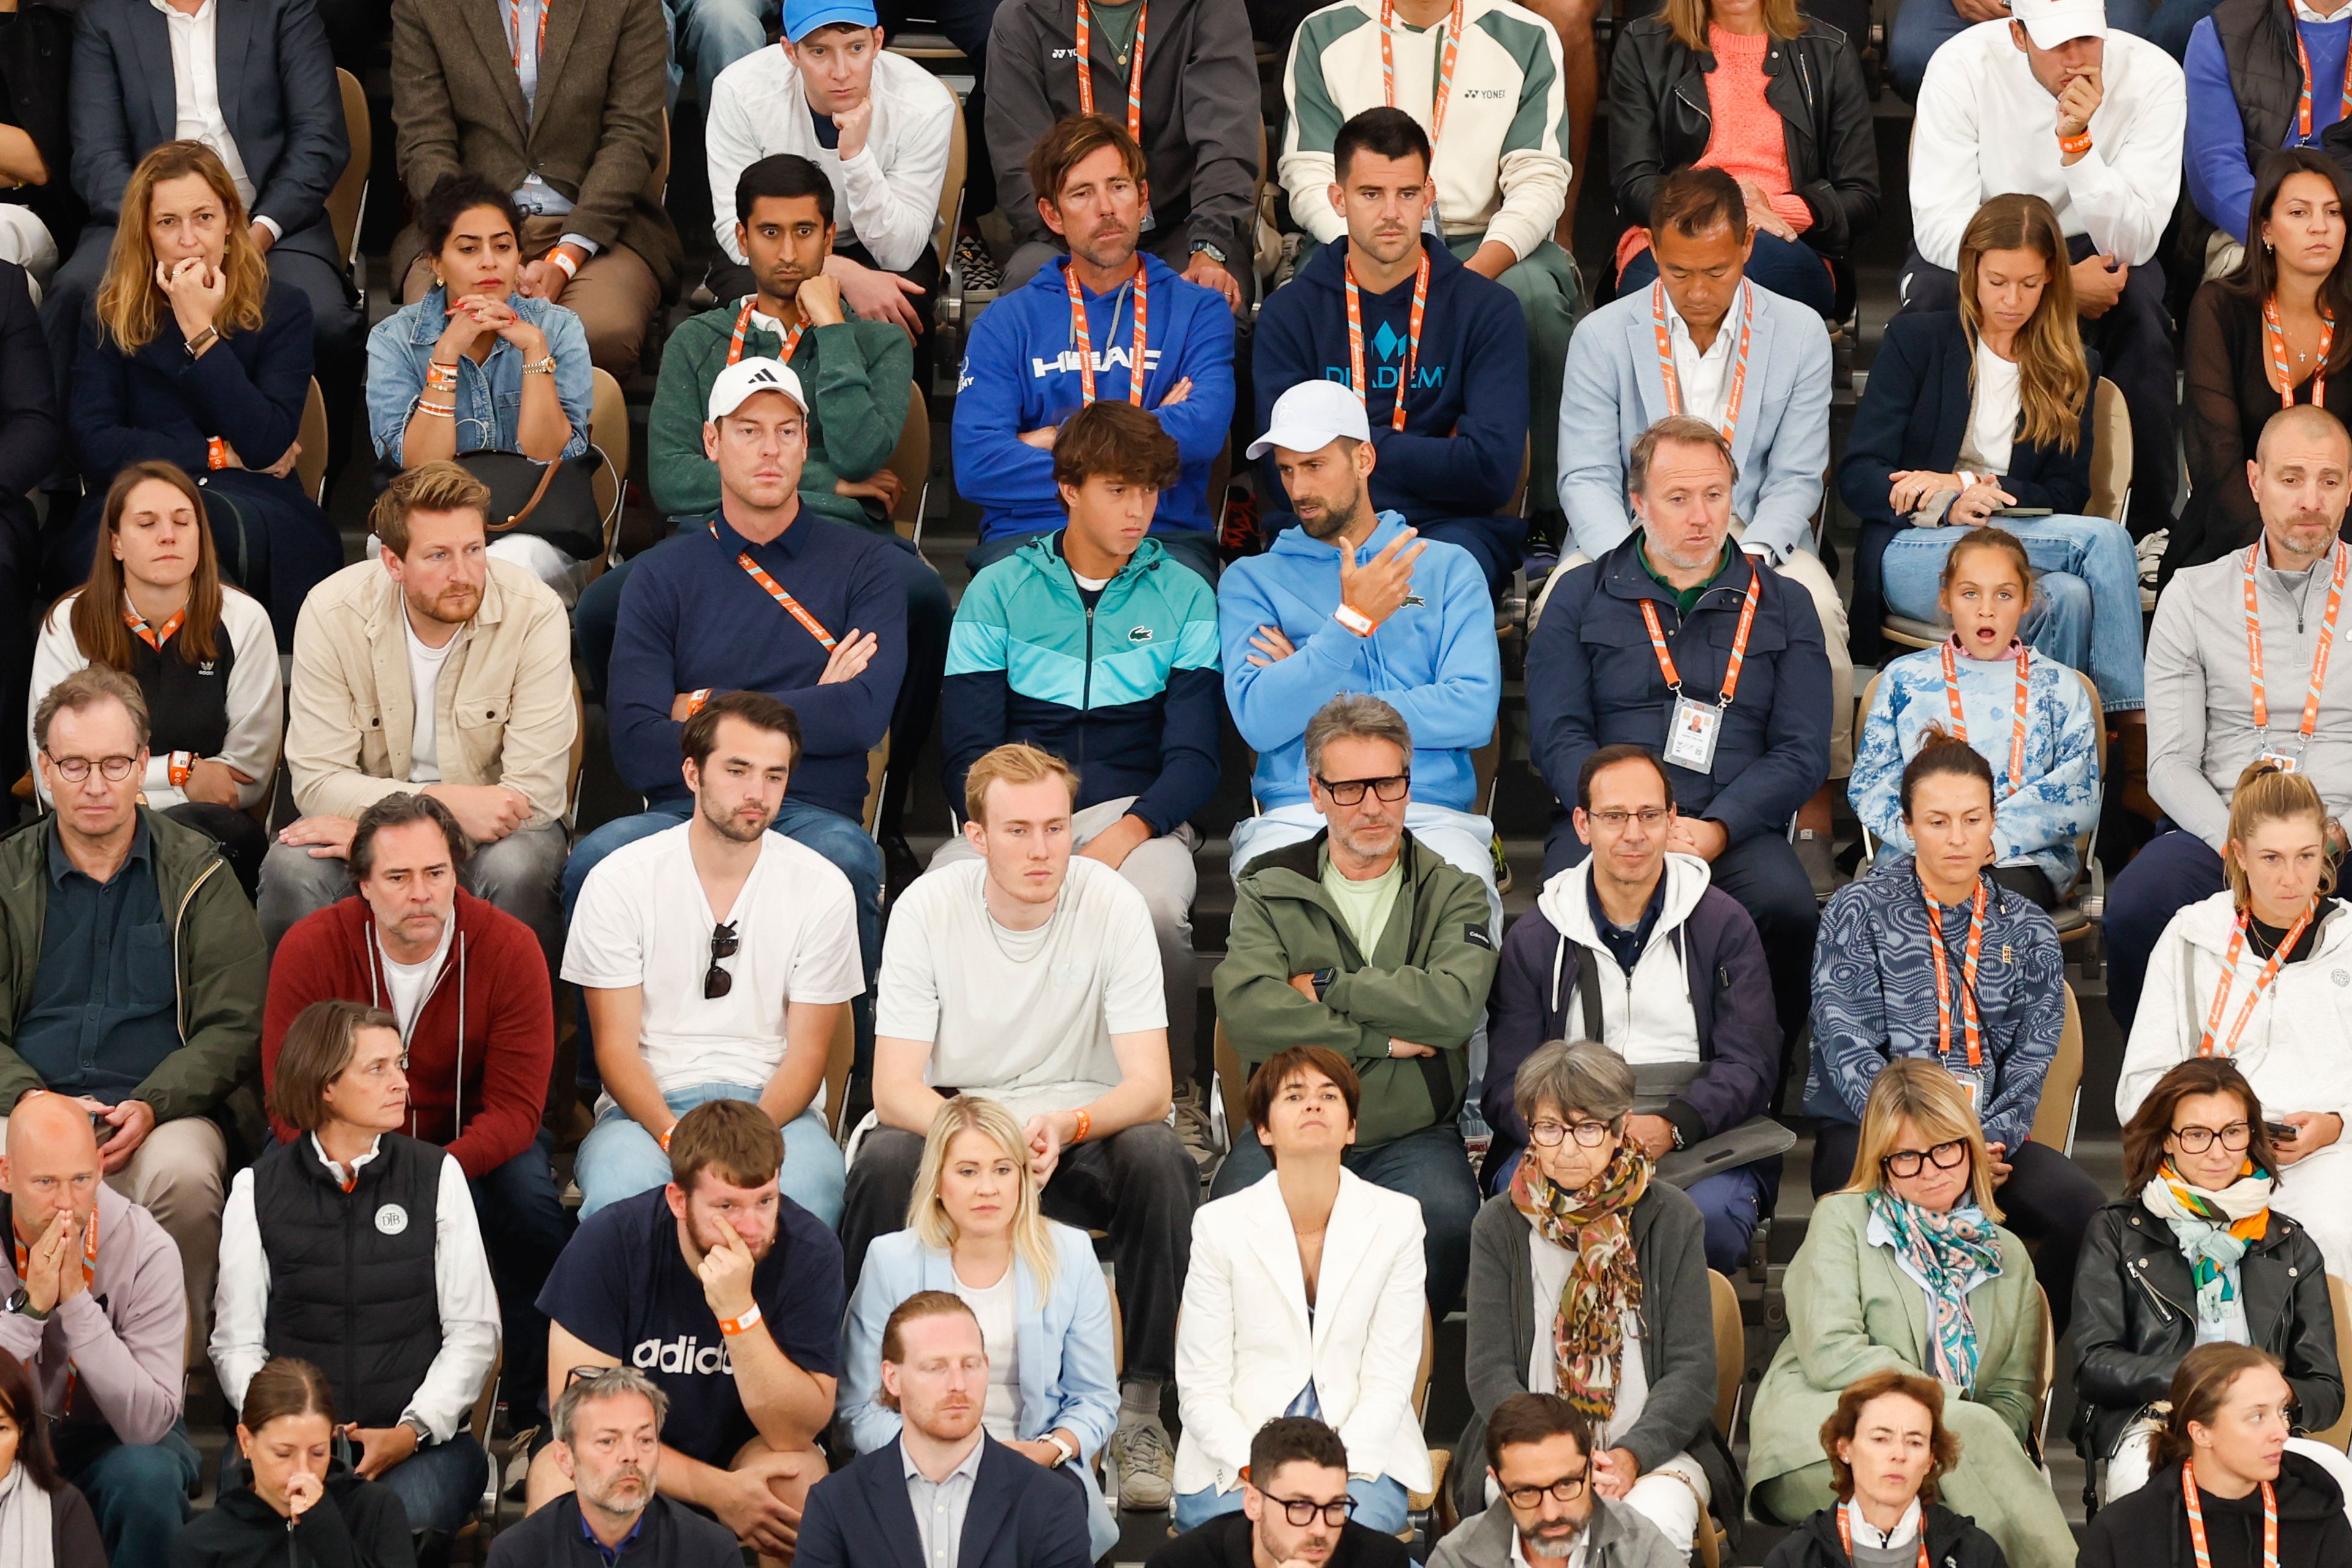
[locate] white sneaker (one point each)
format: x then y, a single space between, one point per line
1147 1466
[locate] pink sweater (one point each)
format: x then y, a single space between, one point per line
1749 142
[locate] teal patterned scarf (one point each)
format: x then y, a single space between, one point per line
1950 1252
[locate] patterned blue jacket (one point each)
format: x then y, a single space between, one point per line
2060 798
1875 996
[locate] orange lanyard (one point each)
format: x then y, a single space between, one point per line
2197 1509
1667 359
89 1278
1739 643
2303 100
1134 75
149 635
743 325
2273 334
2261 983
2017 724
1845 1535
1969 1023
1086 341
539 50
2343 555
1445 88
1411 339
776 592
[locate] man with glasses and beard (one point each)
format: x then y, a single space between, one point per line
1295 1508
716 957
607 1423
1546 1512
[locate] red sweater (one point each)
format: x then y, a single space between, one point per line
506 1047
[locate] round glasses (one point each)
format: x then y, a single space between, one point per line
1568 1489
2194 1139
1907 1163
74 770
1548 1134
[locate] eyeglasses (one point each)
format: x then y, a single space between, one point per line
1302 1511
1548 1134
1615 821
1568 1489
2236 1137
1350 792
74 770
717 981
1906 1163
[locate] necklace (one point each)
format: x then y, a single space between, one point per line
1044 934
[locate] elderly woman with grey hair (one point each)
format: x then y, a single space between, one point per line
1588 1279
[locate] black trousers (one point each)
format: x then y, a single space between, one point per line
2048 1200
1139 1185
2134 343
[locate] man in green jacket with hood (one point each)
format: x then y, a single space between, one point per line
132 973
1363 941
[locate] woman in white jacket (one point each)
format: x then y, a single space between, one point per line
2263 974
1304 1297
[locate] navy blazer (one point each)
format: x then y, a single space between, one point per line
1914 414
248 389
1021 1515
277 94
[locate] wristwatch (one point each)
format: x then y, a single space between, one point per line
21 1304
416 1425
1322 979
1215 253
1062 1446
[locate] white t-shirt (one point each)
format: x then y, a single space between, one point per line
424 682
1993 414
1025 1017
642 920
998 1309
411 984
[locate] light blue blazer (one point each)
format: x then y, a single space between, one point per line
1613 389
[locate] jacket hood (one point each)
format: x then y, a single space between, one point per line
1327 271
2208 923
1564 901
1296 542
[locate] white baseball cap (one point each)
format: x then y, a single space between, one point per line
1311 416
2050 23
746 379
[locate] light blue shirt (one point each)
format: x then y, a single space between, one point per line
489 394
940 1505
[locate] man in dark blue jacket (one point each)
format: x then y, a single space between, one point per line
1452 466
1679 640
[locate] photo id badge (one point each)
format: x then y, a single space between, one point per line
1691 734
1971 1082
2278 760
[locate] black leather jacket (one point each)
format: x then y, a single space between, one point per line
2135 1317
1659 123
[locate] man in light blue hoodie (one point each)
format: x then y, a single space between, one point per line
1350 601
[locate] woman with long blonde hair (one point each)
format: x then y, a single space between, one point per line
193 355
974 1229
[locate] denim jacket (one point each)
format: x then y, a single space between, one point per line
489 394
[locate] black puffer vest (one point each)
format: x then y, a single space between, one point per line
351 1284
2257 39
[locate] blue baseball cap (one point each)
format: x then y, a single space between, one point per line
803 18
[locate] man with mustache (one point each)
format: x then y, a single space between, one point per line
435 669
1546 1512
1452 441
1294 1511
608 1425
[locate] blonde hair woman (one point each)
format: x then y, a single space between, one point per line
1913 1242
974 1229
2258 973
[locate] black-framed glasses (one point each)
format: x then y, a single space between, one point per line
2194 1139
1302 1511
1568 1489
1548 1134
1350 792
1906 1163
74 770
724 944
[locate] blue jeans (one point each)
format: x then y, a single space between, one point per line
1788 268
1921 27
1382 1505
712 35
1430 1166
1729 1202
439 1485
138 1490
619 1159
2086 611
524 1229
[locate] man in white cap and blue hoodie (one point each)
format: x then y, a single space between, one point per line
1352 601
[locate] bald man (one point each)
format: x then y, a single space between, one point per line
2200 727
97 1309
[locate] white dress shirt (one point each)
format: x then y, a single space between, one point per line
1985 126
195 95
1705 378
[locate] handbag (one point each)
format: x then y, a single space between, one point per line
555 500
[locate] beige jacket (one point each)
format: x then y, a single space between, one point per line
505 712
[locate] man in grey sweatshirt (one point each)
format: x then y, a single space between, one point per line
97 1310
2202 699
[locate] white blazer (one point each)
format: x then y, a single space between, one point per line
1245 1345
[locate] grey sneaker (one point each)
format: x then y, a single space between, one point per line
1194 1126
1147 1466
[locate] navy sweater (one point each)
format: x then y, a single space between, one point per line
250 389
1465 425
692 618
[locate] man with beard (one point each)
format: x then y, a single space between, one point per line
716 957
727 1297
1362 940
607 1427
943 1492
1551 1507
1354 600
1294 1511
431 669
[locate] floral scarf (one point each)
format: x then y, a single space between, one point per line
1950 1252
1605 1282
2212 1229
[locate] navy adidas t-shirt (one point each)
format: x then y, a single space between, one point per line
623 1286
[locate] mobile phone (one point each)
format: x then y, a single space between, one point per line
2279 1132
2023 512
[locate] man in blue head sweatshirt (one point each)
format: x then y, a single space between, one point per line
1352 601
1391 302
1074 333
